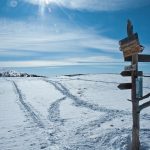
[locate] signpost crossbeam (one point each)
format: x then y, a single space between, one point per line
129 73
141 58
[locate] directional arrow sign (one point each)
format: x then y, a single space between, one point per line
129 73
141 58
125 86
129 51
130 45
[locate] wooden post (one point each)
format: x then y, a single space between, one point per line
135 107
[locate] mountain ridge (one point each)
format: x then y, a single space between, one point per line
11 73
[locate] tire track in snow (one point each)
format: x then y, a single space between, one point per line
28 108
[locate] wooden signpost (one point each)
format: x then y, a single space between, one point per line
131 47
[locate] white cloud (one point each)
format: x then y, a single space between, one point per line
66 62
13 53
35 63
94 59
22 36
22 39
103 43
94 5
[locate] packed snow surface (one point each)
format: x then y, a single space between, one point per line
83 112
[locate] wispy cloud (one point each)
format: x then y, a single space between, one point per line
24 37
35 63
65 62
93 5
102 43
94 59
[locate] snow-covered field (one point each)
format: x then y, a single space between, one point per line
86 112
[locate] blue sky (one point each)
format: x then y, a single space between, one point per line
69 36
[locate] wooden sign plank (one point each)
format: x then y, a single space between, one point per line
141 58
129 73
125 86
131 44
132 50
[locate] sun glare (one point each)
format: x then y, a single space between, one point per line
44 2
42 5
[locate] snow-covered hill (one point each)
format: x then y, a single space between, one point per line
11 73
82 112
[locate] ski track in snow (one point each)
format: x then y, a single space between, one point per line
33 133
28 108
54 113
98 81
50 126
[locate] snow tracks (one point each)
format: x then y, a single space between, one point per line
82 103
28 108
81 138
